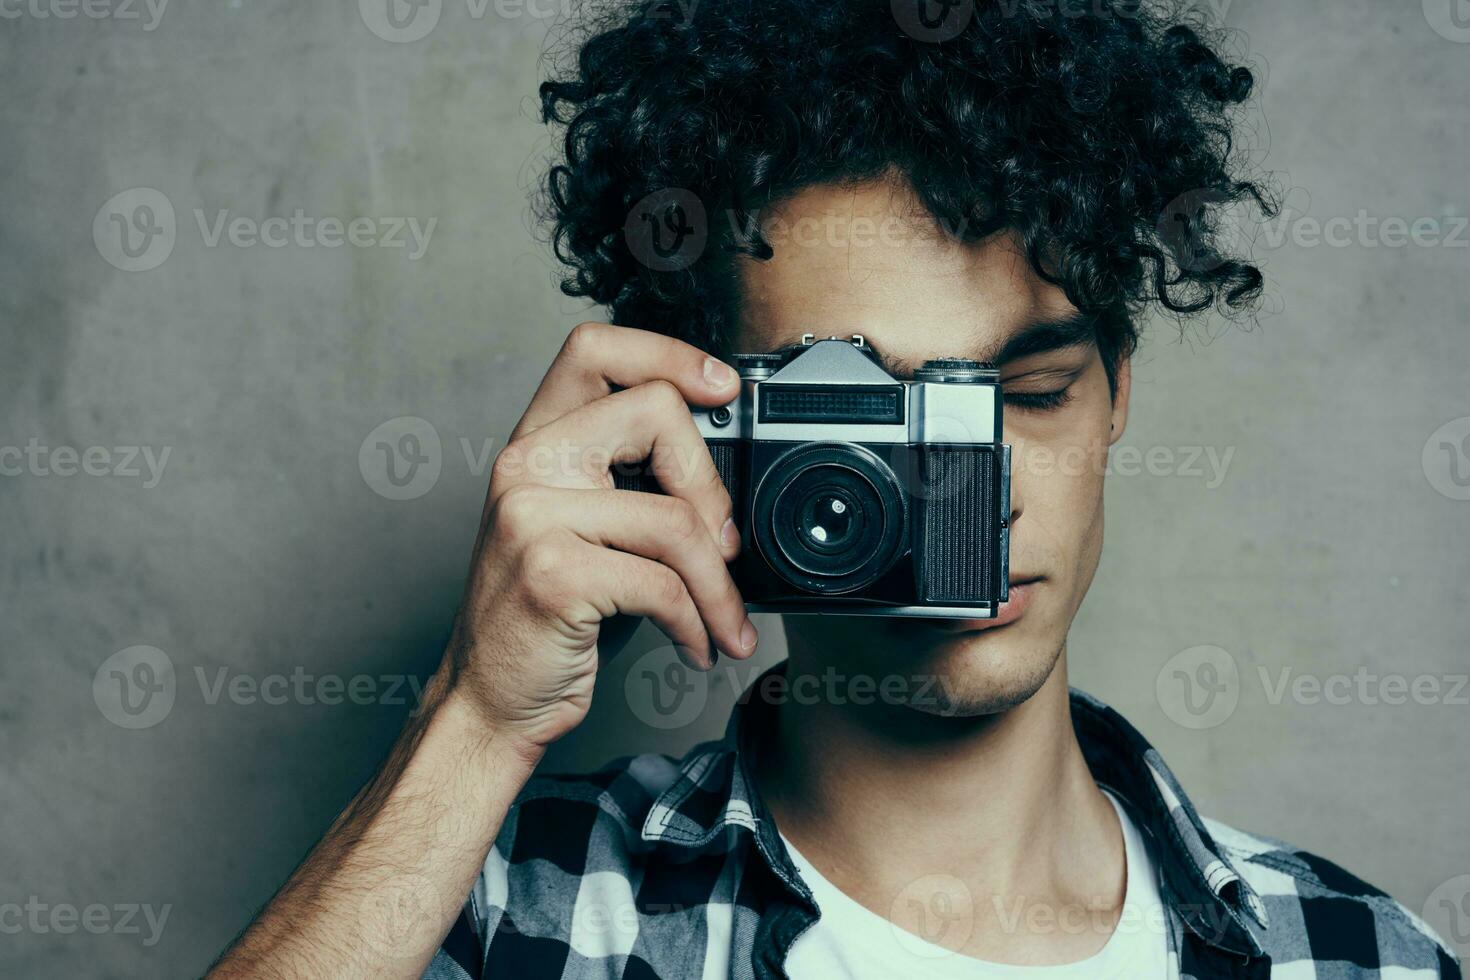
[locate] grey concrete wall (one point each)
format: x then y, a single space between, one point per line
1332 545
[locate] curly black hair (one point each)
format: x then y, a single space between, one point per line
1098 131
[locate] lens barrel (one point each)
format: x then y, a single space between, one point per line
830 517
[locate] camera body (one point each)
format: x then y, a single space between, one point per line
859 494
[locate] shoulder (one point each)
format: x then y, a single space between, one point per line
1317 911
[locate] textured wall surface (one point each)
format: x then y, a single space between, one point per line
1301 525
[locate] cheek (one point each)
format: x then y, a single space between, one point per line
1059 462
1060 487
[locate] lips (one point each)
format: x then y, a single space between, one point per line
1021 593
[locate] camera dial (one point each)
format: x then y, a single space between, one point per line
755 367
957 370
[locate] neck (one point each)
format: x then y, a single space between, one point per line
877 795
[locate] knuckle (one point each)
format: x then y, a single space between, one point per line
546 567
669 588
518 508
681 518
509 464
662 396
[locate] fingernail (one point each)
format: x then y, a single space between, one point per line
717 374
748 636
729 537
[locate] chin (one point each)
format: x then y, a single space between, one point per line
982 672
952 669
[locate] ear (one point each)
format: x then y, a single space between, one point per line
1123 388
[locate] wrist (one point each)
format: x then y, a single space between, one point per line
454 720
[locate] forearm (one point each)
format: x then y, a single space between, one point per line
380 891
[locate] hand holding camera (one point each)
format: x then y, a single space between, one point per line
560 550
640 463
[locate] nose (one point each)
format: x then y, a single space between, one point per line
1016 488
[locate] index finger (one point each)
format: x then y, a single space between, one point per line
597 357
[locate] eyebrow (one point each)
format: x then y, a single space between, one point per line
1036 338
1048 335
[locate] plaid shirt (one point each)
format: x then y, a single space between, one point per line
657 868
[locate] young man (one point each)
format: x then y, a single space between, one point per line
975 180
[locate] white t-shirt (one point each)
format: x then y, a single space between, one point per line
849 941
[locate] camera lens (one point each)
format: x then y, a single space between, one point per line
830 518
827 520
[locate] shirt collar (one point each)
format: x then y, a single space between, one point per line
713 793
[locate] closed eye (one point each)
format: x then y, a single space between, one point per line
1039 401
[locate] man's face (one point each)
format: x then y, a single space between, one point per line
869 260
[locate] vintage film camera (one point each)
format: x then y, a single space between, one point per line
857 493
